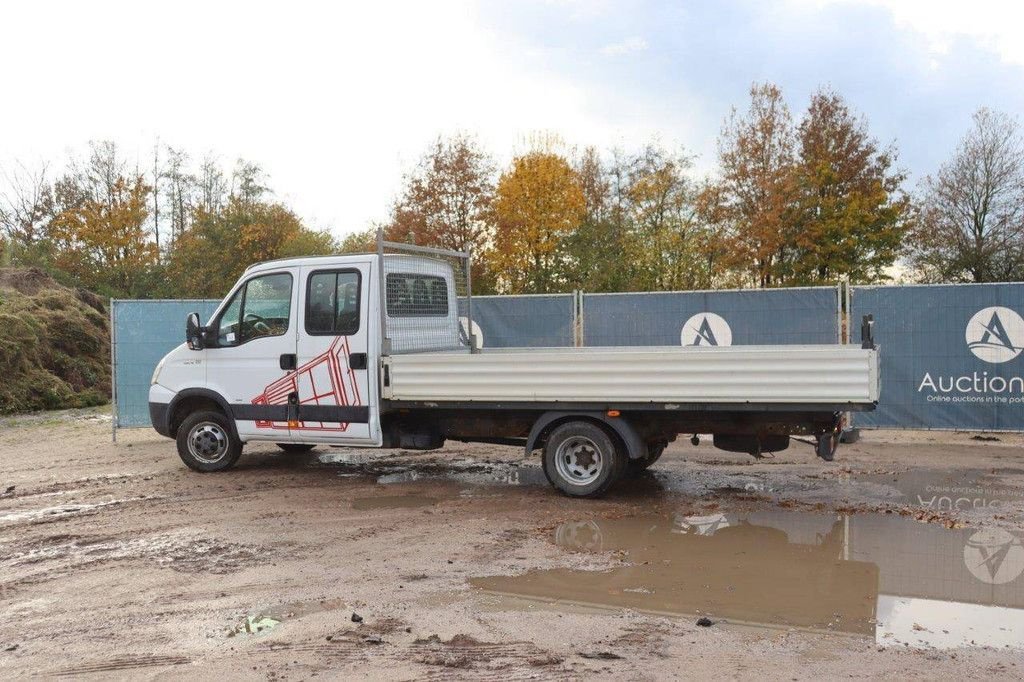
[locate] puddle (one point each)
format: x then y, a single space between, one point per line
62 511
473 474
394 502
899 582
944 491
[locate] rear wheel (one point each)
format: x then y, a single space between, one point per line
581 459
295 448
206 442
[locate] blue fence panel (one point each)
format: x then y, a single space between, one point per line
142 333
752 317
950 355
525 321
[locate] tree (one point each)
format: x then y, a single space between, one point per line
213 253
213 187
669 243
359 242
180 190
972 216
247 182
101 238
539 202
26 209
592 252
447 203
851 214
756 188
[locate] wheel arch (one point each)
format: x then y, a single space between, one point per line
191 400
547 422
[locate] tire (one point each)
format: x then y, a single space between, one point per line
582 460
635 467
295 448
206 442
827 445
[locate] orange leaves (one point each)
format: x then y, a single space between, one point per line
539 202
102 237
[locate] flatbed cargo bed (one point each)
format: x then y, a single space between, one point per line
823 377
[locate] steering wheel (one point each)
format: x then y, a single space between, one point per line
258 323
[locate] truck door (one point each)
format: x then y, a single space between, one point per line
336 377
255 341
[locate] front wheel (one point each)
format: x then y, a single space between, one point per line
581 460
295 448
207 443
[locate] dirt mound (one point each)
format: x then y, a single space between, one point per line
55 349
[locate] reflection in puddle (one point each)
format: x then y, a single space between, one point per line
942 491
901 582
474 475
393 502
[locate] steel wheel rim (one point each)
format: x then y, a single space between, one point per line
207 442
578 460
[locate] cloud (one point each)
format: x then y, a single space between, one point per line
631 44
337 101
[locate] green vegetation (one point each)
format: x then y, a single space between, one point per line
55 350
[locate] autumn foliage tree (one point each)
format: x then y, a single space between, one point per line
972 216
851 212
447 203
99 227
807 203
757 188
539 202
669 244
218 247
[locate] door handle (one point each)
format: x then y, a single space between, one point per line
357 360
289 361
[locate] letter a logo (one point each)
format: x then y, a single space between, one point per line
995 334
706 329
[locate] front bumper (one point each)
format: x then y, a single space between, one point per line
158 413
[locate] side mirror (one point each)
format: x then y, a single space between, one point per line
194 332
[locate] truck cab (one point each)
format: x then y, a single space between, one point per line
291 355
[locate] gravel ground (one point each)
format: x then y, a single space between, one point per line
117 561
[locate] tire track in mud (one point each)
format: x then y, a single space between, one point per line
119 663
434 658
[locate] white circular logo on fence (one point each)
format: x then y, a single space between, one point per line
706 329
478 335
994 556
995 334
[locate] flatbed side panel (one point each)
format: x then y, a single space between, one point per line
827 375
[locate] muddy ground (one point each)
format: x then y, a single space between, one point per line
902 558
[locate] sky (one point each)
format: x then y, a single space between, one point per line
336 101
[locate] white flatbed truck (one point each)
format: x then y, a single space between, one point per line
310 351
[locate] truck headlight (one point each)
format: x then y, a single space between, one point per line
156 372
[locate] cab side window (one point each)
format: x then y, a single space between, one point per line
260 308
332 303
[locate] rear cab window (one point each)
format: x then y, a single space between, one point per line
414 295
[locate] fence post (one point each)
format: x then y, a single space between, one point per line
113 372
577 309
